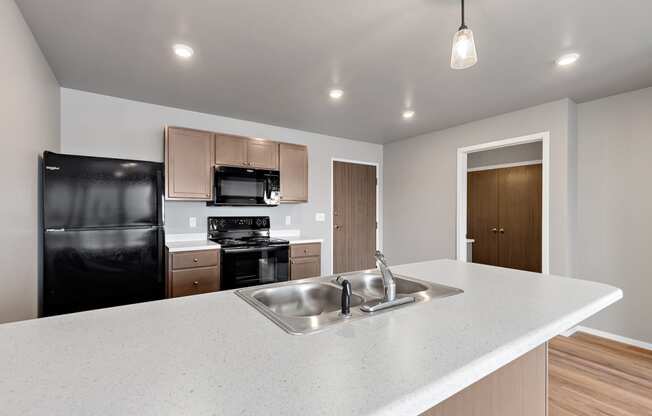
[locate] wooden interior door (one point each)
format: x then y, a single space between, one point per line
354 216
504 209
519 215
482 215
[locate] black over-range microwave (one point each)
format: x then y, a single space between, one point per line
246 186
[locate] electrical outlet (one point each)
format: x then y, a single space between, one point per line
320 217
192 222
288 220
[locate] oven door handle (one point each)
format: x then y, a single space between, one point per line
252 249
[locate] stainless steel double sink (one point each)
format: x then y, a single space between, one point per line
312 305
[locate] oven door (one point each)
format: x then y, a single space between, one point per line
243 267
242 186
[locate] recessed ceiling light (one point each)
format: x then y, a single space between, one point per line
408 114
183 51
568 59
336 93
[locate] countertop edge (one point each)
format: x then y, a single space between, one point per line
443 388
306 241
181 246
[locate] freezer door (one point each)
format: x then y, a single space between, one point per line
88 192
90 269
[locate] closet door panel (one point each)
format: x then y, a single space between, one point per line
482 215
519 214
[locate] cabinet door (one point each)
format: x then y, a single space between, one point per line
262 154
302 268
294 172
230 150
188 164
519 214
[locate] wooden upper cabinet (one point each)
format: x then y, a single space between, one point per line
262 154
190 156
188 164
294 172
241 151
230 150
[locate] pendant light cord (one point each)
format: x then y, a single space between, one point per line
463 26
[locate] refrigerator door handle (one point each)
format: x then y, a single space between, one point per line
160 213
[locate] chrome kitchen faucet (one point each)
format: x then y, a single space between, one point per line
389 300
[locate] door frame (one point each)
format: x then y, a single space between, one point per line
462 172
357 162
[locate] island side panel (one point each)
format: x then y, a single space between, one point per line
517 389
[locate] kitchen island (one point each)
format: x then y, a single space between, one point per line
214 354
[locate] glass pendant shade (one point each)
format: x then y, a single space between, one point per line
464 54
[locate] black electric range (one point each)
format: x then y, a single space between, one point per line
249 256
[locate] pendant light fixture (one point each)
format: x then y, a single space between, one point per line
463 55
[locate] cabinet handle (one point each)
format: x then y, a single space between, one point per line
195 283
337 227
494 230
195 260
502 231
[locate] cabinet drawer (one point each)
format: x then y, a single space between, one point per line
192 259
195 281
304 267
305 250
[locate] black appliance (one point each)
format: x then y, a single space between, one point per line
249 255
103 232
245 186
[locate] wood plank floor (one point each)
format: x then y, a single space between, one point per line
593 376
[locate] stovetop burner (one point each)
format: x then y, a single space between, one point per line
242 232
250 242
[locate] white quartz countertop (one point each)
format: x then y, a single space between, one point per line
194 245
304 240
214 354
189 242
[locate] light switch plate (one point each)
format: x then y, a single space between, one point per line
192 222
288 220
320 217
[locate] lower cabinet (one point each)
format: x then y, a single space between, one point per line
192 273
520 388
305 261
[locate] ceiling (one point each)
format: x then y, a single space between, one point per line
274 61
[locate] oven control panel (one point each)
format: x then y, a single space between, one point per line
222 224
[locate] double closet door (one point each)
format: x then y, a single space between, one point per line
504 216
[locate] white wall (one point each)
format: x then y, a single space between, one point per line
29 111
614 200
512 154
420 183
98 125
601 199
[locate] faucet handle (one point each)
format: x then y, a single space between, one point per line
380 257
346 296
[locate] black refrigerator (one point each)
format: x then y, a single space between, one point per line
103 233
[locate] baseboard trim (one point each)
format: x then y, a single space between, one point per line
608 335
